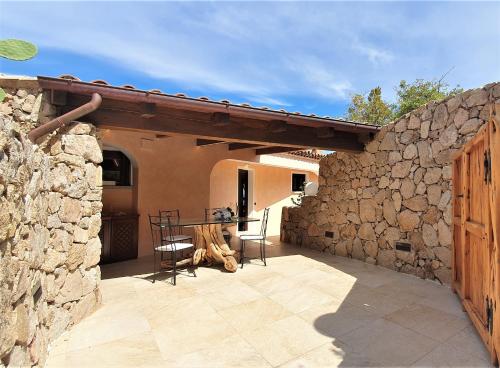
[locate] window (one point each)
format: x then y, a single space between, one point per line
115 168
298 181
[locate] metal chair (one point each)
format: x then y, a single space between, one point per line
175 215
164 242
260 237
210 212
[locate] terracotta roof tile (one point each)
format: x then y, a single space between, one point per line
69 77
313 154
100 81
203 98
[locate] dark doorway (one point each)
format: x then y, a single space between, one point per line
242 197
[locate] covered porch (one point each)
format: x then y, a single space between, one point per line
183 153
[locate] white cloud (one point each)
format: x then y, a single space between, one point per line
375 55
274 52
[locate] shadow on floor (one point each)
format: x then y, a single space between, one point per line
371 316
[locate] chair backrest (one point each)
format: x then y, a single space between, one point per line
173 217
156 231
161 230
170 213
263 226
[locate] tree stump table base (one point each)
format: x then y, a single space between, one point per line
210 247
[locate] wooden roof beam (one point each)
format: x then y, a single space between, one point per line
148 110
325 132
220 119
202 127
277 126
240 146
207 142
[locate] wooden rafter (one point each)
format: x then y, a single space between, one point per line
215 126
240 146
207 142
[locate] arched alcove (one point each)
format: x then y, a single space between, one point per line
120 180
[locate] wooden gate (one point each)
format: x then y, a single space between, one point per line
476 231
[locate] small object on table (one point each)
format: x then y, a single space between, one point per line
224 214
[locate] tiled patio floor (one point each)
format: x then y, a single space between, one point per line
305 309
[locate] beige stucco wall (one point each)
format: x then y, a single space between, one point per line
272 187
171 172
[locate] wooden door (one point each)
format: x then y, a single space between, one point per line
494 137
475 262
243 196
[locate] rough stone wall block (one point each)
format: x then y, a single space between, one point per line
397 190
50 202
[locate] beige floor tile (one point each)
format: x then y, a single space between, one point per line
388 343
190 334
162 315
313 276
339 289
428 321
274 284
448 356
255 314
330 355
133 351
300 298
163 295
234 293
284 340
231 352
255 278
403 293
289 269
336 318
56 361
107 327
116 291
373 301
469 342
447 302
372 278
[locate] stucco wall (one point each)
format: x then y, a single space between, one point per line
272 188
50 202
171 172
398 189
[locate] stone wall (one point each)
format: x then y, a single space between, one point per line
397 190
50 204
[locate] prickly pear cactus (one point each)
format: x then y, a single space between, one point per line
16 50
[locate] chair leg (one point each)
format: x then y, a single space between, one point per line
260 249
242 252
154 267
264 250
175 268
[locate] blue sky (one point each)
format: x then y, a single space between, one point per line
301 56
